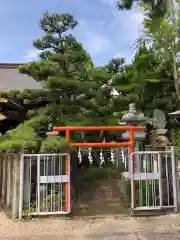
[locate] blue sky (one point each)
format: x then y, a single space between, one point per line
104 31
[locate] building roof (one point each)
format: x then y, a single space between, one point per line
10 78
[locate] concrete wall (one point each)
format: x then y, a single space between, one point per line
10 183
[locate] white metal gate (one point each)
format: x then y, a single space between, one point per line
153 180
44 184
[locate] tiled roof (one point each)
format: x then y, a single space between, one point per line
10 78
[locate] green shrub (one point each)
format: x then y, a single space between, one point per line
100 173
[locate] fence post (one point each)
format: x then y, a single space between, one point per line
38 184
174 179
133 199
21 185
16 185
9 181
69 173
3 179
160 181
1 173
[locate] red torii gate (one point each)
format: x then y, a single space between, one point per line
69 129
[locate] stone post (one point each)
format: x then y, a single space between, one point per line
16 185
4 179
9 175
1 173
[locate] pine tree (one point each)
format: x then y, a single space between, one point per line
62 72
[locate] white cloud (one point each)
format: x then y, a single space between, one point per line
126 55
105 38
96 43
127 26
128 23
32 55
111 3
93 42
102 22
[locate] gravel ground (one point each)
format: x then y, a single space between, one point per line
107 227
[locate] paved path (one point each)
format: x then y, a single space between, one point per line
114 236
105 228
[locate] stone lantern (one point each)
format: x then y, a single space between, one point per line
133 118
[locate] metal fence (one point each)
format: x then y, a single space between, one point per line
44 184
39 184
153 180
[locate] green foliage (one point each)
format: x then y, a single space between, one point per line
144 191
51 201
28 212
177 141
158 7
54 143
74 92
22 137
93 174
